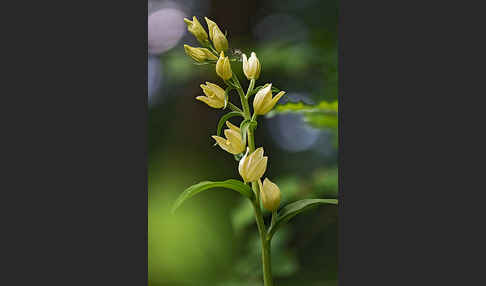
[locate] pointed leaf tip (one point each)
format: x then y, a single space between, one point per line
193 190
289 211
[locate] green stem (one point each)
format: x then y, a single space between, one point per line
265 242
266 255
244 102
251 140
267 265
250 88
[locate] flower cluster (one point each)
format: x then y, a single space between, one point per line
253 164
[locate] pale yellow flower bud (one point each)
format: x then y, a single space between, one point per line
195 28
253 166
251 67
199 54
223 67
211 25
270 194
263 101
214 95
219 39
234 142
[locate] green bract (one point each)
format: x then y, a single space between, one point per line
193 190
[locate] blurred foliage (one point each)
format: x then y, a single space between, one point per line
322 115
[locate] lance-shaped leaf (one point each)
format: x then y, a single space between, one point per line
323 115
223 119
193 190
226 96
230 84
245 124
293 209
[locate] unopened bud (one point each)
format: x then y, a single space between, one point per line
195 28
233 142
253 166
219 39
199 54
270 194
263 101
215 95
223 67
251 66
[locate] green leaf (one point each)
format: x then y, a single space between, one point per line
323 106
226 95
323 115
193 190
223 119
293 209
256 89
229 83
245 124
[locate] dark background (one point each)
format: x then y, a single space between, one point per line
74 186
213 239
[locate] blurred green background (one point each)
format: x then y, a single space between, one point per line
213 239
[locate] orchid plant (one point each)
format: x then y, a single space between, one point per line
240 140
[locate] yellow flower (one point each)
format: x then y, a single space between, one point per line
234 143
199 54
270 194
195 28
251 67
214 95
223 67
219 39
253 166
263 101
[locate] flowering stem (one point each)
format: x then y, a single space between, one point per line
251 140
266 257
244 101
250 88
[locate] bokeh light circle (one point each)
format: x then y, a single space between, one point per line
166 28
